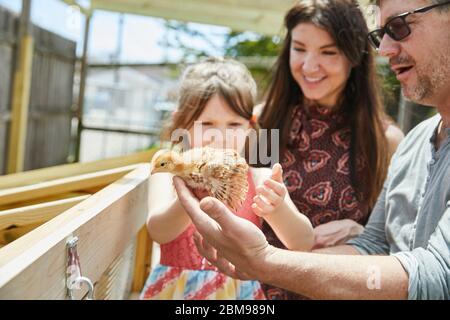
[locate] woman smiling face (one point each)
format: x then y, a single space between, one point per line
317 65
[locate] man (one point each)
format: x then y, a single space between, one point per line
404 250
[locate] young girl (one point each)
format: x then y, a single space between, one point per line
216 95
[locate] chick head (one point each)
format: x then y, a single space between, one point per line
166 161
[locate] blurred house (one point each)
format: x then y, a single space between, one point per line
125 99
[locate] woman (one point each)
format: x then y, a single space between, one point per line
335 140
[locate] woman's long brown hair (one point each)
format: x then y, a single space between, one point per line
360 101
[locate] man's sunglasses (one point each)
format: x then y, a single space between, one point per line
397 28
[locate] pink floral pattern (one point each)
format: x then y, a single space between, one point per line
326 216
292 180
288 159
343 165
348 200
320 194
342 138
316 160
304 142
318 128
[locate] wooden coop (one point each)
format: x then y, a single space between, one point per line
101 204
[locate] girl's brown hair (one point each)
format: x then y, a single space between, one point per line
360 101
228 78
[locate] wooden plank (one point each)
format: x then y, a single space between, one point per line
82 87
83 9
240 9
236 17
37 201
60 186
53 60
54 45
263 16
142 260
37 213
8 27
34 266
10 235
116 281
20 103
6 61
49 135
68 170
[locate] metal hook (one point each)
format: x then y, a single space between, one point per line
90 285
74 277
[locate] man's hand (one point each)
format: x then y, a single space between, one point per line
234 245
240 250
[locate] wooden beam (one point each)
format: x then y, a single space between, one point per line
10 235
34 266
19 114
238 7
63 171
115 283
237 18
61 186
37 213
37 201
21 93
263 16
82 89
143 259
85 10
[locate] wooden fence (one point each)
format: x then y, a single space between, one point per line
49 133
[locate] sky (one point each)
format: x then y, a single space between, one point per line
141 40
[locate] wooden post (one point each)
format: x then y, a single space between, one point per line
81 94
21 92
142 260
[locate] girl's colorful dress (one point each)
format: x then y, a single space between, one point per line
183 274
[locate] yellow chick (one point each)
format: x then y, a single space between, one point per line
221 172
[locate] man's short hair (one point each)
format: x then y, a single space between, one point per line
443 8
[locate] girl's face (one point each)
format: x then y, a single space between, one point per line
219 126
317 65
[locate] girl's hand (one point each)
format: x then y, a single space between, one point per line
335 233
271 194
